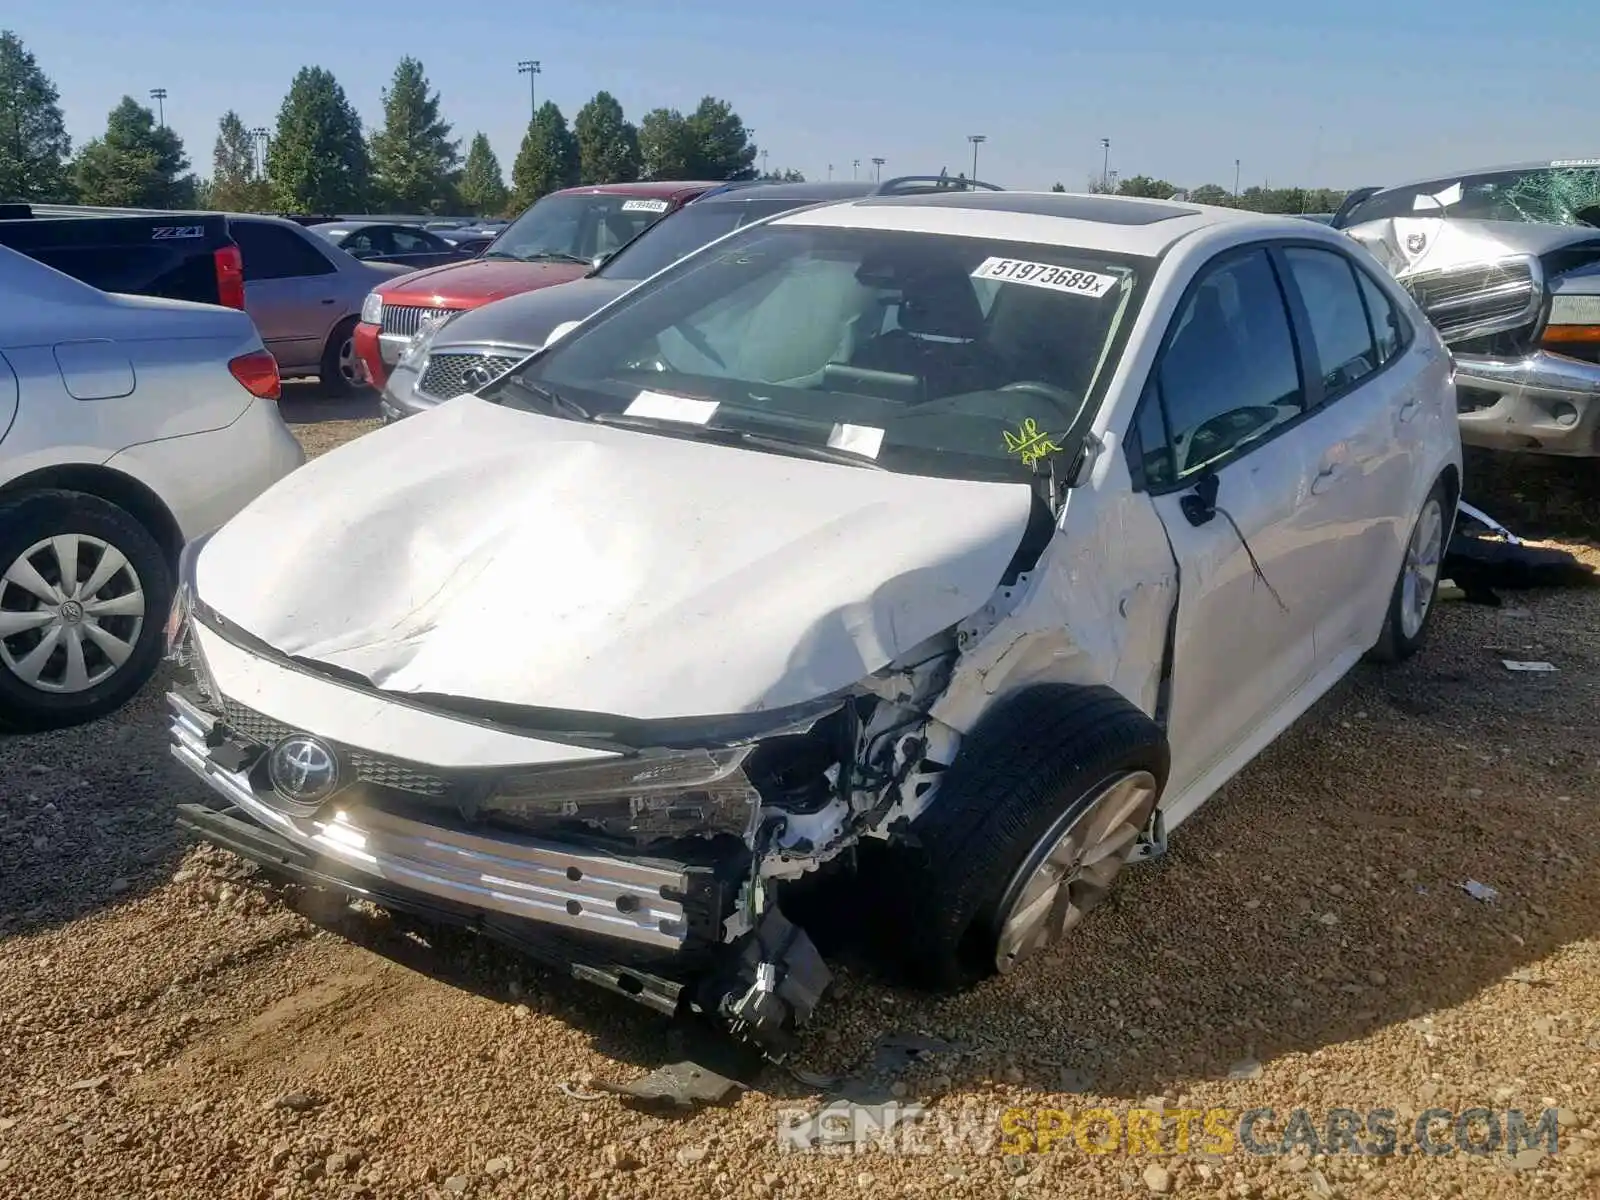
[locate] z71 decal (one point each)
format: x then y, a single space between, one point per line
177 231
1045 275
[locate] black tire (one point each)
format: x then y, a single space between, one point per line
35 516
1041 754
332 377
1394 644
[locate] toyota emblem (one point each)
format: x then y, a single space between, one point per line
304 771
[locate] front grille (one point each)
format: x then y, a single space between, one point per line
446 375
403 320
369 768
1473 301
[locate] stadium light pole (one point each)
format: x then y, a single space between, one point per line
159 95
1105 161
259 136
977 139
1236 183
877 173
530 68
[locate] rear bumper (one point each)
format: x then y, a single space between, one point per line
369 349
570 890
1544 403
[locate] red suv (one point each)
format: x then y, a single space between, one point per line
559 239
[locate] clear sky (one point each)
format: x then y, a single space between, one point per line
1335 94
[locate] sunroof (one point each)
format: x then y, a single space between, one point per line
1106 210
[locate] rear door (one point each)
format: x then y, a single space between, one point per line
1226 405
291 291
1366 396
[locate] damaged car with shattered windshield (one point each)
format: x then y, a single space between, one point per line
1506 264
948 550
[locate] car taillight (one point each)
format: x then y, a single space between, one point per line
258 372
230 277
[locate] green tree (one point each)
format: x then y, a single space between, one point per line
34 146
548 159
1210 193
666 145
1145 187
788 175
608 147
1058 187
317 162
483 187
235 184
413 157
135 165
720 146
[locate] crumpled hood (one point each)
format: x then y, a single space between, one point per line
527 319
1427 242
486 553
477 281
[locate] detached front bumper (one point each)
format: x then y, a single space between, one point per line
1544 403
582 893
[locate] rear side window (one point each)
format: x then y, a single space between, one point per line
1327 283
1229 374
1391 332
271 252
177 270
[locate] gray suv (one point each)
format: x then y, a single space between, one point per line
474 348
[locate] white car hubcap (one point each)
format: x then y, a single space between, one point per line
71 610
1420 576
1071 868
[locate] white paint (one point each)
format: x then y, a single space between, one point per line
512 557
662 406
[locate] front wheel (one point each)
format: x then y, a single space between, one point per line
1031 825
1405 625
84 595
341 370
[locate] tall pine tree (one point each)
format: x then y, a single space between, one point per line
608 147
483 187
34 146
413 157
548 160
318 161
137 164
236 185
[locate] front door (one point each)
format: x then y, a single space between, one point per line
1225 416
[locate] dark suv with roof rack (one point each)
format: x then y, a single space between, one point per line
471 350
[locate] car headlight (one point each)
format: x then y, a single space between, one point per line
181 647
372 309
417 348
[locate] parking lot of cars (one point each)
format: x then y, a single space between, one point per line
792 514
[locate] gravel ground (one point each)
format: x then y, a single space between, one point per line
172 1026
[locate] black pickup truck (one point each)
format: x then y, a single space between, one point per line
182 256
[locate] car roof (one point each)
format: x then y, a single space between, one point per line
845 189
657 189
1117 224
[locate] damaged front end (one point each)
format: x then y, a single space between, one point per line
657 871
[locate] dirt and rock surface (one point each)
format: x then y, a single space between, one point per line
171 1026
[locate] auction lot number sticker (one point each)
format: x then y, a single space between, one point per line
1038 274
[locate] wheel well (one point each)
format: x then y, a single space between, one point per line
114 487
1452 481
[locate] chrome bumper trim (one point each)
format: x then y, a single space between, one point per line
516 876
1543 372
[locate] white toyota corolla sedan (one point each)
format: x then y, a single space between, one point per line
985 534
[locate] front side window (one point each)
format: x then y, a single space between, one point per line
1229 374
1388 326
1327 284
960 357
575 228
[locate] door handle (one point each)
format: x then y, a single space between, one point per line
328 300
1409 408
1326 478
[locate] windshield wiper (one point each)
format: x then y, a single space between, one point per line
557 256
554 402
741 437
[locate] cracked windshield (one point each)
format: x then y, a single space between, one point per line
909 600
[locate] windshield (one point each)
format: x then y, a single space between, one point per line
575 228
690 228
932 355
333 235
1557 194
